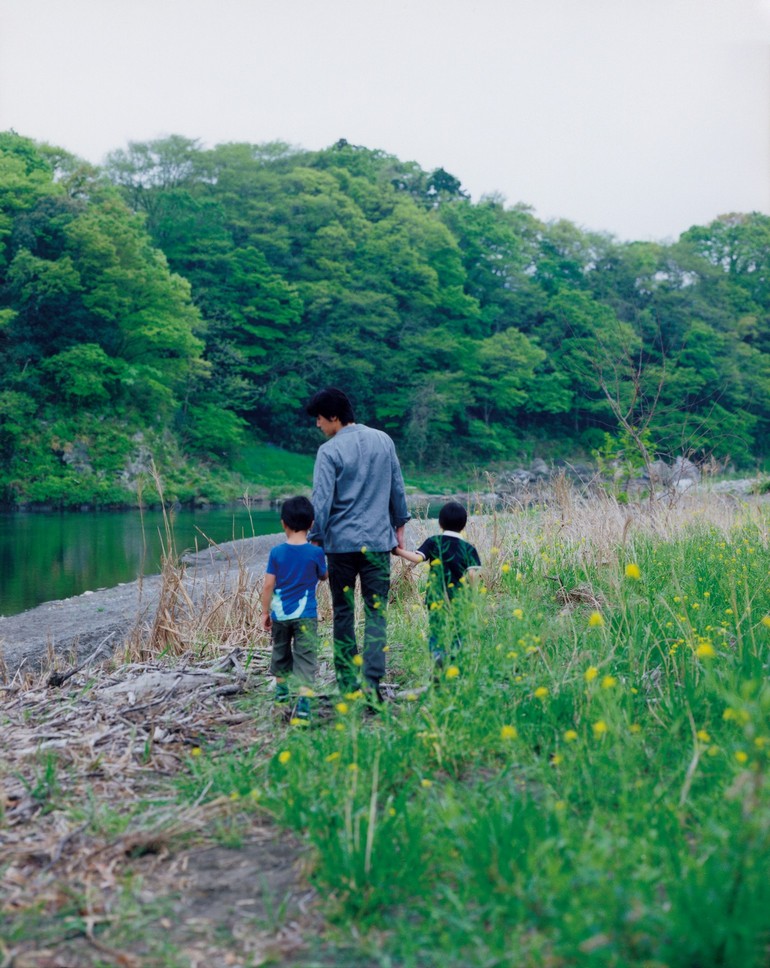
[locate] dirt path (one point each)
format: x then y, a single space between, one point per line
76 627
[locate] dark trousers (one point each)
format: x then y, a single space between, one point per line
443 635
372 568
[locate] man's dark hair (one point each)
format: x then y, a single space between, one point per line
452 517
297 513
330 403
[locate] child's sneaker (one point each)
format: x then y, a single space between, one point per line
281 692
303 708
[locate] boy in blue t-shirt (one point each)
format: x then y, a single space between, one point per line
289 608
453 562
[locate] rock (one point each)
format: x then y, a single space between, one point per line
684 470
659 472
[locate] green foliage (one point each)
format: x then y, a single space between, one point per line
191 289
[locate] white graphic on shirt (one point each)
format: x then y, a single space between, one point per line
277 607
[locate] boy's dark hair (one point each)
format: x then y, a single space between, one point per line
297 513
452 517
330 403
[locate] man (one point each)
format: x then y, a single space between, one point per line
360 513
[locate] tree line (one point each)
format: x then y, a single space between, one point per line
195 297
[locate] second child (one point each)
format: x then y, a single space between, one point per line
289 609
454 562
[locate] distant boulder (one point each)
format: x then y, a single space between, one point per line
684 470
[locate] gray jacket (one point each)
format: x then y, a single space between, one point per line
358 492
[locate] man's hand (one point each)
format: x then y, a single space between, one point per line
266 622
400 536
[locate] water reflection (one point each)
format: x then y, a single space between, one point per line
44 557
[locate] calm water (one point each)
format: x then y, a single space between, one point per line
44 557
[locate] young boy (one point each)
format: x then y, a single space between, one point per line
453 562
288 602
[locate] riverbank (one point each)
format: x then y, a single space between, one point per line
107 619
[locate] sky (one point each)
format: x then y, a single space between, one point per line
639 118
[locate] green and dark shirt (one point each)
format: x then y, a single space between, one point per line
450 558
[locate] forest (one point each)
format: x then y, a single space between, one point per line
180 302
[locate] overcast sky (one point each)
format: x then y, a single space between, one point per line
636 117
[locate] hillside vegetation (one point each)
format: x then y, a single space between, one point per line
182 302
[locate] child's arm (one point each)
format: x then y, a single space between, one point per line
414 556
268 587
473 574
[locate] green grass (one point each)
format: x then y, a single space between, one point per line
588 786
272 467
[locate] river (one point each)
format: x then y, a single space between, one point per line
45 557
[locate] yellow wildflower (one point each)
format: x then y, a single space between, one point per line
353 767
358 660
541 692
518 613
505 568
570 736
235 795
508 732
635 728
284 756
426 783
196 751
609 682
333 756
766 621
599 728
741 756
703 736
705 651
590 674
632 571
595 620
556 759
306 691
452 672
342 708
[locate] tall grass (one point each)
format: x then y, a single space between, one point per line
587 784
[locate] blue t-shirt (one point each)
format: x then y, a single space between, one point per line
297 569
